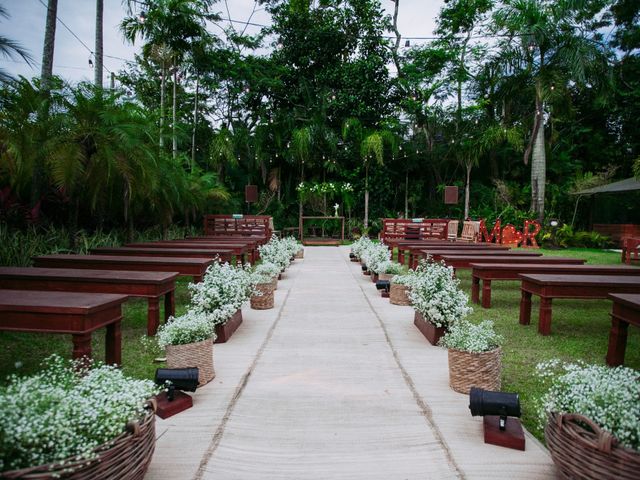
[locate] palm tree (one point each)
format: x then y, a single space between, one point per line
99 43
549 41
49 44
11 49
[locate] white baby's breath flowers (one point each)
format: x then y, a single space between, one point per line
279 251
469 337
267 269
360 245
66 410
374 255
610 397
435 293
191 327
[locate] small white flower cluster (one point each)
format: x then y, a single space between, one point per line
469 337
360 245
191 327
390 267
375 256
610 397
66 410
436 294
267 269
223 291
279 251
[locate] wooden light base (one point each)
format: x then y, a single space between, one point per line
166 408
511 437
385 294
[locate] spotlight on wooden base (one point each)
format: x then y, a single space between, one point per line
385 286
496 408
174 400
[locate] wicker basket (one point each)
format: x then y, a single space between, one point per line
198 354
264 301
127 457
385 276
300 253
591 454
480 370
398 294
274 282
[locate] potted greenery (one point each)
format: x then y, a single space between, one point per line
399 289
591 416
268 270
374 256
276 252
188 342
474 356
390 269
262 296
437 299
75 421
358 247
221 294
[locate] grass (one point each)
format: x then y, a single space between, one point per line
22 353
580 331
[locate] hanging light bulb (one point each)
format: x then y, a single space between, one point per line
90 62
142 17
407 44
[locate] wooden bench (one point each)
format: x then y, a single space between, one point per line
415 245
626 310
490 272
186 267
78 314
630 250
407 229
223 254
465 261
151 285
240 250
551 286
436 253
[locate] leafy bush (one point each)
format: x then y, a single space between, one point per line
469 337
566 237
607 396
191 327
66 410
391 268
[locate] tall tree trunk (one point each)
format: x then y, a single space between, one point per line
300 212
538 162
45 81
396 60
163 87
406 194
99 43
175 89
366 197
195 124
468 166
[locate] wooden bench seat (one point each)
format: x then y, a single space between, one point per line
78 314
550 286
465 261
223 254
490 272
625 311
437 254
187 267
151 285
240 250
416 245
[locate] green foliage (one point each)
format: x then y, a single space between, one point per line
567 237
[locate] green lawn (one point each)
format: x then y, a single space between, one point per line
580 331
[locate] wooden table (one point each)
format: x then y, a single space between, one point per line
438 254
301 225
151 285
465 261
223 254
186 267
626 310
78 314
551 286
509 271
239 249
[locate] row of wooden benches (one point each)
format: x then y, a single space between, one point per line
547 277
78 294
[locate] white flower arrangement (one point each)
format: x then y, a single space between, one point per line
191 327
607 396
436 294
277 251
405 279
360 245
375 255
223 291
267 269
470 337
66 410
391 268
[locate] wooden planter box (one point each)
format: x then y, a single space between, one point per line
226 329
428 329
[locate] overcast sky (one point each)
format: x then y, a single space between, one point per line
71 59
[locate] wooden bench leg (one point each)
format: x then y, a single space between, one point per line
475 289
113 353
81 345
153 316
197 278
486 293
617 342
401 256
169 304
525 308
544 321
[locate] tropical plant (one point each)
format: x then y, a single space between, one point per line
11 49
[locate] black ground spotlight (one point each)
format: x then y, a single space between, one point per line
496 408
385 286
352 255
365 270
174 400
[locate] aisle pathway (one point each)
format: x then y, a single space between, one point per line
334 383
